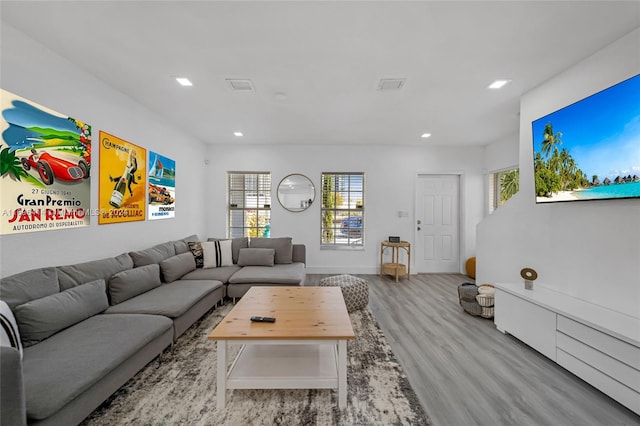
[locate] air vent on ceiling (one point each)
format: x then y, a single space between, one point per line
391 83
238 85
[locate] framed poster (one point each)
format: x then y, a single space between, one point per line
122 180
162 187
45 164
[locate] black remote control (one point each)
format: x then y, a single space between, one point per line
263 319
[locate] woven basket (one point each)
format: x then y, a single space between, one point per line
486 298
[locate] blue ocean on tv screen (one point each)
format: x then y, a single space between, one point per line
590 150
627 190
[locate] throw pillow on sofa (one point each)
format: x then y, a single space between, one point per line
177 266
236 245
216 254
256 257
196 249
127 284
41 318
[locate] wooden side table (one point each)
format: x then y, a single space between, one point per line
395 268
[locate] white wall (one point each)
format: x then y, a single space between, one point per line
390 176
502 154
32 71
587 249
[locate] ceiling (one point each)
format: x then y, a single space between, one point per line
316 66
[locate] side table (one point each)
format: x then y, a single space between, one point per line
395 268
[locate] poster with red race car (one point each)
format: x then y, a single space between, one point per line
45 167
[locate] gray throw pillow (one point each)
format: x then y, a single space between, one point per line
127 284
44 317
177 266
256 257
283 247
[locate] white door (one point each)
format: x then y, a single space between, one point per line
437 224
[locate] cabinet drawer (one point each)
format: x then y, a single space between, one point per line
616 390
602 362
616 348
527 321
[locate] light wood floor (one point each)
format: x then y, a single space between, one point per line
465 372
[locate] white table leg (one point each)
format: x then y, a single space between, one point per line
222 373
342 374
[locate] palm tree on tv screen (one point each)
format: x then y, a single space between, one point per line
551 140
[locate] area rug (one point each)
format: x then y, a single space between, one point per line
181 389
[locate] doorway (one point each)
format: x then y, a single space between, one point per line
437 224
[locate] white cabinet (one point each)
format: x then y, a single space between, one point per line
599 345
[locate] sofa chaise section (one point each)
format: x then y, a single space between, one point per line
73 371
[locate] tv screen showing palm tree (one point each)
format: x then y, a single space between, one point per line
590 150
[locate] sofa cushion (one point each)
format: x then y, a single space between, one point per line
175 267
216 254
221 274
68 363
236 245
283 247
170 300
127 284
155 254
256 257
9 331
73 275
293 273
29 285
182 246
41 318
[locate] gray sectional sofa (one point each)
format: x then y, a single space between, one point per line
86 329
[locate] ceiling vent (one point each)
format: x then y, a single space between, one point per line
391 83
240 85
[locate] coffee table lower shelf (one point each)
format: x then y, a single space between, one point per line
285 364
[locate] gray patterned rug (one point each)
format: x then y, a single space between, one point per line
182 389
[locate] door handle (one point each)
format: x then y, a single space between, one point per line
419 229
419 221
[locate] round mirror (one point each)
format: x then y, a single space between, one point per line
296 193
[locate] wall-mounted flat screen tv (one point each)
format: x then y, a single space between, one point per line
590 150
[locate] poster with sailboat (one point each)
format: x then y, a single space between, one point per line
162 187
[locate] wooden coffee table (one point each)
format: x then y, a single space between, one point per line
305 348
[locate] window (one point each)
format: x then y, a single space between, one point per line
502 186
342 210
249 204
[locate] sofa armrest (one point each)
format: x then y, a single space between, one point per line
12 400
300 253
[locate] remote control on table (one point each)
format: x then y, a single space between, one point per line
263 319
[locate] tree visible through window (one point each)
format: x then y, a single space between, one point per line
502 186
249 204
342 209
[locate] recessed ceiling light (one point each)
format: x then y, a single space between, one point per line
498 84
183 81
240 85
425 135
391 83
237 134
